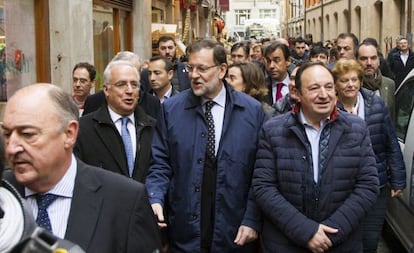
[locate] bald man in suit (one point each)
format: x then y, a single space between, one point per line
99 210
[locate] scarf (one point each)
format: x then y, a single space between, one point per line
372 82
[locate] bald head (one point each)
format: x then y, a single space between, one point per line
40 128
45 94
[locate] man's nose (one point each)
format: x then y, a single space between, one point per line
323 92
13 144
129 87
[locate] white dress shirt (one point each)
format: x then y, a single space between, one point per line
116 118
314 136
285 88
218 115
59 210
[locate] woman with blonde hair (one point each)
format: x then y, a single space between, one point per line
390 165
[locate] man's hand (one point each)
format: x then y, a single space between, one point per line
159 215
396 193
320 241
245 235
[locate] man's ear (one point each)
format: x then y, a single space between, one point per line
170 74
71 133
105 90
223 71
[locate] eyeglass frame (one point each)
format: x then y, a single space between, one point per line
202 70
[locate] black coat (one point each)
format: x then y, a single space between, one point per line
100 144
397 67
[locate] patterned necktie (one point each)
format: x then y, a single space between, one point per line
126 139
279 91
43 202
211 139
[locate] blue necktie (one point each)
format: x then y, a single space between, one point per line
43 202
126 138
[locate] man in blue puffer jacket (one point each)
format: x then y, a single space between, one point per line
315 176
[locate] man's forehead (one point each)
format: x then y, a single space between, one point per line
345 41
367 50
205 52
276 52
166 43
158 64
317 71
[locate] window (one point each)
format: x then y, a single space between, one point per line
17 46
110 31
404 104
267 13
241 16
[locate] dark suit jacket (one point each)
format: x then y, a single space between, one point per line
150 104
100 144
109 213
269 97
399 69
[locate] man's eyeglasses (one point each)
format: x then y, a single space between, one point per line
201 69
123 85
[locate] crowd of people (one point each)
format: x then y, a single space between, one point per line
270 146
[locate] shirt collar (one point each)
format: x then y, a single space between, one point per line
65 186
115 116
220 99
284 81
303 120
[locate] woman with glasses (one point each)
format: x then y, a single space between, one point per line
390 165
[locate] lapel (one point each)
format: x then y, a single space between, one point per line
111 138
142 120
85 208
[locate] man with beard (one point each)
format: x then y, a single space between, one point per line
368 57
201 170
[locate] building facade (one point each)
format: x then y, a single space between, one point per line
294 24
41 40
261 12
383 20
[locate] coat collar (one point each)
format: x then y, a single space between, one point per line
141 118
85 207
